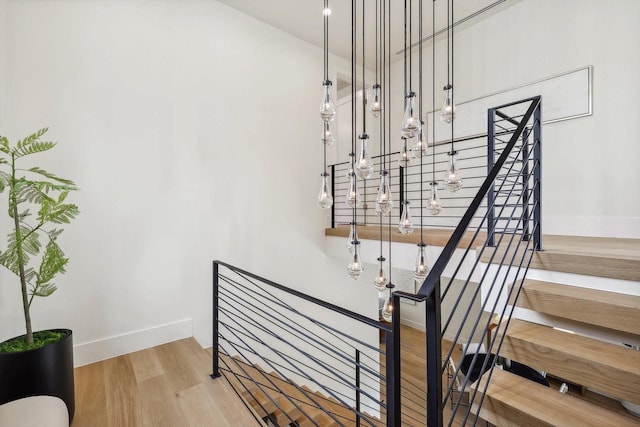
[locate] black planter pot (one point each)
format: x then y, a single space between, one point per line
43 371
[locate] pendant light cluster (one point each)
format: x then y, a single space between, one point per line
413 133
327 114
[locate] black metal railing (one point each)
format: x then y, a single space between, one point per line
472 163
478 272
295 366
291 364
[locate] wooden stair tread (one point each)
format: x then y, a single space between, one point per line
515 401
609 368
611 310
593 256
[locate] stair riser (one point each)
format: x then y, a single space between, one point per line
596 375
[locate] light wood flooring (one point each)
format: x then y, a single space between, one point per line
168 385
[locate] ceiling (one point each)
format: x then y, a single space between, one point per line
303 19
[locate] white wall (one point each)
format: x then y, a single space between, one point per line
589 164
193 132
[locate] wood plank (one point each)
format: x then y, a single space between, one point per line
123 395
145 364
611 310
110 393
432 236
592 256
159 406
91 399
515 401
609 368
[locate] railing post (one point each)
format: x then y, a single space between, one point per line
357 388
401 188
333 189
392 340
215 348
434 358
526 197
491 149
537 176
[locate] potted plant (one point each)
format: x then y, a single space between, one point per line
36 363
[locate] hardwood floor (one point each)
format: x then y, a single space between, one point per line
168 385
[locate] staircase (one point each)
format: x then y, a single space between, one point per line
282 403
600 372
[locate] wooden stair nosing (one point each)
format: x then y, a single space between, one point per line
590 264
609 368
611 310
514 401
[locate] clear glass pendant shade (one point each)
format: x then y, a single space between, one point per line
452 179
353 237
411 122
353 197
364 166
384 200
327 137
387 307
406 222
419 149
355 268
405 154
325 200
433 204
376 101
420 271
448 112
380 281
327 107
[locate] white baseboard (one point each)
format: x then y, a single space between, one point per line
105 348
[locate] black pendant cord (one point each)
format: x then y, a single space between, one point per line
389 127
326 71
410 45
452 88
326 40
364 97
405 49
433 91
380 33
353 107
424 142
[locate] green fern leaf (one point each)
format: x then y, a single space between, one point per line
31 138
51 176
32 148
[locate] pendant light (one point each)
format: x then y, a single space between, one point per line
448 111
327 114
325 200
420 271
353 236
433 205
387 307
380 282
384 199
327 137
405 154
406 222
376 100
365 164
452 180
355 268
419 149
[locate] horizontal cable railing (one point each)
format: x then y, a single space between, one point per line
298 358
468 289
472 163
